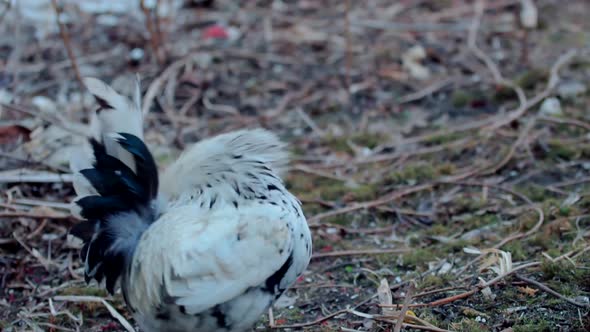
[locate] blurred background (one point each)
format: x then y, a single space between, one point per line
417 129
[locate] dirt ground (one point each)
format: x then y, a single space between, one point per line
440 148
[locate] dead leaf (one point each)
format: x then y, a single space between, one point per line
527 290
13 133
411 61
385 297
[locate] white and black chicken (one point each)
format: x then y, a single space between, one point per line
207 245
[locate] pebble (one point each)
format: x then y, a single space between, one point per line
551 107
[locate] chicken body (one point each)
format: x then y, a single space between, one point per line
209 247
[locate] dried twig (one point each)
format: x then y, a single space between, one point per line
65 36
371 204
31 176
110 308
474 290
360 252
404 310
546 288
525 103
428 90
324 318
155 41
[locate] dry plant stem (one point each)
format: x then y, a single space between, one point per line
154 37
572 122
424 328
402 314
157 84
521 139
512 237
109 307
50 119
360 252
371 204
322 319
468 293
551 291
499 79
436 291
63 31
460 11
414 96
33 215
348 37
472 44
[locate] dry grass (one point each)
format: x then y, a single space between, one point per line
436 190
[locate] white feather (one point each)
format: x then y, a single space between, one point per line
206 161
196 257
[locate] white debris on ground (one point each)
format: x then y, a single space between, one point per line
42 16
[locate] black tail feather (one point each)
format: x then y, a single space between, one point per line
118 215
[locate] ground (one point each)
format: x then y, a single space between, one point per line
434 167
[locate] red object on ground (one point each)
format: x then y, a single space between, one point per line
216 32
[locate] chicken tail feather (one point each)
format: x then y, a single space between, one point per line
116 180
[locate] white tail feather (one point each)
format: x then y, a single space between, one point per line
118 115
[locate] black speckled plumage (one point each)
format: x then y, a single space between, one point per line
206 245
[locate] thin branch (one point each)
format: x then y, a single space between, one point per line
402 313
360 252
324 318
371 204
65 36
552 292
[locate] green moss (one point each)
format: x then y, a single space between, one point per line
468 325
416 173
365 139
516 248
565 272
443 138
477 221
297 151
534 192
565 211
504 93
294 314
88 291
460 98
338 220
527 220
559 149
418 257
446 169
429 316
455 246
433 281
437 229
370 140
338 143
529 79
464 203
364 192
536 326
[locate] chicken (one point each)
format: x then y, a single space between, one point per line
208 245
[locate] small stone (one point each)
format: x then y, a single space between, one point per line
551 107
136 54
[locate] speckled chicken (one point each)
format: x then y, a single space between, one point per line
207 245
